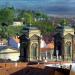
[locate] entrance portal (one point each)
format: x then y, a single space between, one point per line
68 50
34 50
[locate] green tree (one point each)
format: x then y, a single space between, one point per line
14 30
64 22
7 16
6 19
26 16
41 15
45 27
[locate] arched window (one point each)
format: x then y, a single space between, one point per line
34 50
68 45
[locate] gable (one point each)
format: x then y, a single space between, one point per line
34 37
68 36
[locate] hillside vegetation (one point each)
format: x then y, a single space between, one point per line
38 19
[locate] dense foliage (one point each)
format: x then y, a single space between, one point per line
9 15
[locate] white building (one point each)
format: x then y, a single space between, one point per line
17 23
42 44
10 53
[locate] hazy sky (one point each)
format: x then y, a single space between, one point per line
47 6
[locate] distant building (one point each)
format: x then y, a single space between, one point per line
14 42
39 19
42 43
12 51
9 53
1 42
47 52
17 23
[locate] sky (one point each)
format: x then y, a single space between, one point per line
56 7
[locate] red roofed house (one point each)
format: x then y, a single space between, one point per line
47 51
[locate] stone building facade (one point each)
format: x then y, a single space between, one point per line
64 43
30 44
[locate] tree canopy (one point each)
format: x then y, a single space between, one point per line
64 22
7 16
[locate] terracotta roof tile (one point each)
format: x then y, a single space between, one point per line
16 39
45 49
50 45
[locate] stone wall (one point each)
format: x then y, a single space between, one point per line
25 69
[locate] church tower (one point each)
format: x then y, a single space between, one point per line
30 44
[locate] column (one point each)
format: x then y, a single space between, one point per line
51 53
57 57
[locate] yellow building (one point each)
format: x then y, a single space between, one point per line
30 44
64 43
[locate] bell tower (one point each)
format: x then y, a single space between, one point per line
30 44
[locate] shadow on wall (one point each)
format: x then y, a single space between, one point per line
39 71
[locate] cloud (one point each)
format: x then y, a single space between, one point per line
50 6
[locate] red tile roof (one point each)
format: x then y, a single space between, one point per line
45 49
49 47
16 39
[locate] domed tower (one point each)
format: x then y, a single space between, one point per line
30 44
